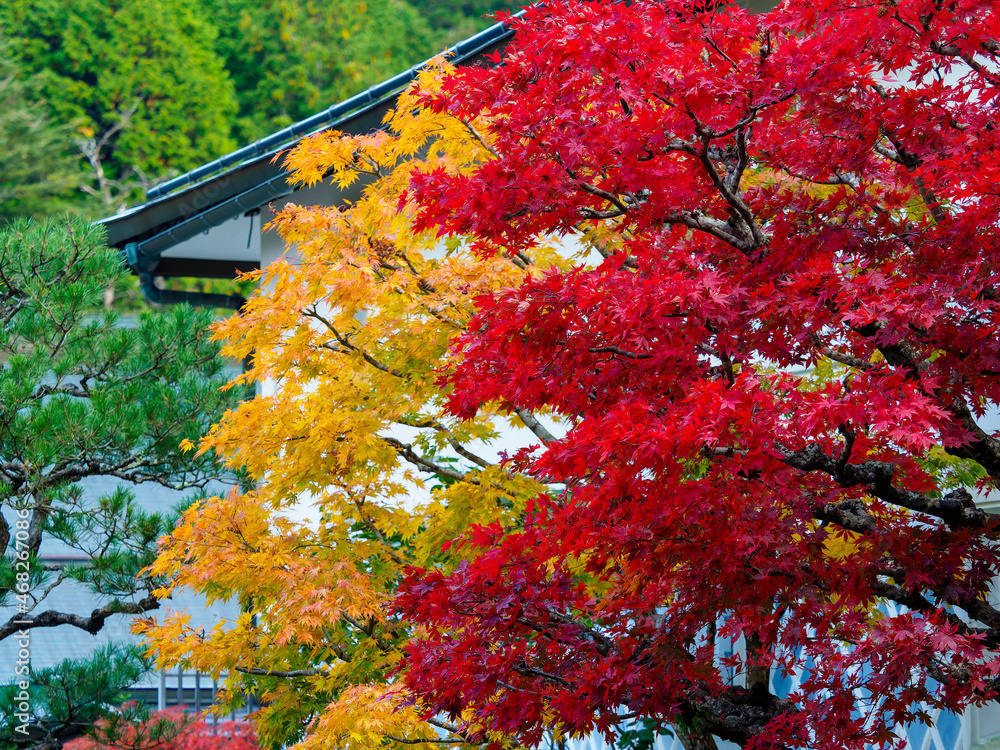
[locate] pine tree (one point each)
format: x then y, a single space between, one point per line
85 393
74 695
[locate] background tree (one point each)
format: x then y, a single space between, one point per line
84 394
153 89
38 172
289 60
458 19
143 77
762 378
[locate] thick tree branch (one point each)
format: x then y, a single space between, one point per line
915 601
984 449
734 713
91 624
714 227
956 508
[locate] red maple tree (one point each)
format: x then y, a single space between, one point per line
774 380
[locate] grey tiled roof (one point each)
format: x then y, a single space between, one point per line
49 646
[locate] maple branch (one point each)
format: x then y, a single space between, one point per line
458 447
913 600
978 610
734 713
950 50
984 449
529 421
437 741
838 179
375 169
378 534
524 258
345 342
945 673
728 451
910 162
596 244
590 213
384 249
478 136
444 725
850 514
619 352
257 671
369 630
845 455
602 643
709 225
734 174
847 359
423 284
467 454
727 58
460 737
930 200
406 451
525 671
598 192
728 188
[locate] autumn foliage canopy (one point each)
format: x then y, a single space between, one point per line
746 265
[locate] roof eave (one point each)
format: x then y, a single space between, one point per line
206 197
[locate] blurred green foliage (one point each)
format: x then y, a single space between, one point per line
102 98
292 58
142 79
39 172
455 20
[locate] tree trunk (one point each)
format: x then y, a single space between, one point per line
695 740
